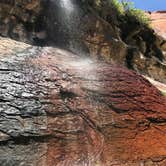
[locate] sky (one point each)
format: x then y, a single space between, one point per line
150 5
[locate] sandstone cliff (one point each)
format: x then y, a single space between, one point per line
104 36
62 109
159 22
59 109
43 22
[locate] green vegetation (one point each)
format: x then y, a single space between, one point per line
117 5
124 9
131 11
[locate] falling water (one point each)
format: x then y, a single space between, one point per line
70 20
68 5
69 15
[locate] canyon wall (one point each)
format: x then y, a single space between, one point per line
43 22
57 108
61 108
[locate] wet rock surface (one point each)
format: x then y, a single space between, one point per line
59 109
76 26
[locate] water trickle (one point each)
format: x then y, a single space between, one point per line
68 5
70 15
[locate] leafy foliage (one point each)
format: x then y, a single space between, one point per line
127 10
131 11
117 5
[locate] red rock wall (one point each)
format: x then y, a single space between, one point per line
159 22
59 109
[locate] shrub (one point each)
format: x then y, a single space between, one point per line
117 5
137 14
127 8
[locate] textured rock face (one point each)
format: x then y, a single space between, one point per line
159 24
18 19
80 29
152 67
59 109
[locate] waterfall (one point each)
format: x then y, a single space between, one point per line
68 15
70 20
68 6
